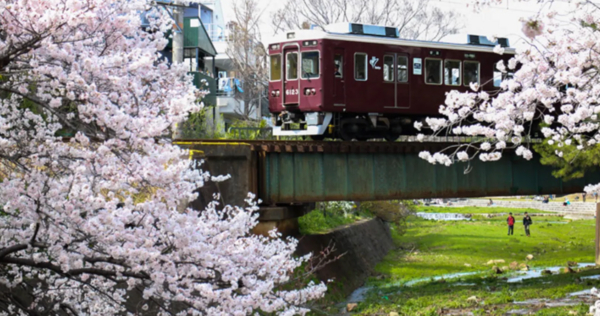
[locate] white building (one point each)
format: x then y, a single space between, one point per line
227 106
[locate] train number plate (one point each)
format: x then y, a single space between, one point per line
291 92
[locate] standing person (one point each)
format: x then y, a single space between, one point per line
511 224
583 196
527 222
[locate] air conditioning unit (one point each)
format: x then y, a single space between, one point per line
363 29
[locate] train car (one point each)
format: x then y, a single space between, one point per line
354 81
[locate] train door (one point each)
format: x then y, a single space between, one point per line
396 88
339 86
291 84
402 81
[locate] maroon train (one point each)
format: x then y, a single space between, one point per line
358 81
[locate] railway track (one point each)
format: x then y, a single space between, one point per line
309 146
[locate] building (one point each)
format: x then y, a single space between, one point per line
228 106
205 50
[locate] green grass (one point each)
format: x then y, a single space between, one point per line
431 248
445 247
317 223
477 210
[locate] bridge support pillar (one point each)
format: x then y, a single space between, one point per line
597 234
284 218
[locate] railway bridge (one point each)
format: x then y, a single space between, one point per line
288 176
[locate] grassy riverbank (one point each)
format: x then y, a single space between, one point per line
431 248
481 295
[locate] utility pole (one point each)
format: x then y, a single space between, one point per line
178 11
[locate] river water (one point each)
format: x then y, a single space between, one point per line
359 294
444 216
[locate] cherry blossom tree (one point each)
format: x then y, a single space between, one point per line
91 222
555 90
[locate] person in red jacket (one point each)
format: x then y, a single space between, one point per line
511 224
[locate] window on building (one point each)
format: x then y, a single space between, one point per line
189 57
310 65
471 72
338 64
433 71
402 69
388 68
452 72
360 67
275 67
291 66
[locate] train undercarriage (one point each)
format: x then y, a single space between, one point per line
344 126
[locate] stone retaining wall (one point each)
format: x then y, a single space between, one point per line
574 208
365 244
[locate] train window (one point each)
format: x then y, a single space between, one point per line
471 72
291 66
388 68
402 69
452 72
500 76
310 65
275 67
360 67
433 71
338 61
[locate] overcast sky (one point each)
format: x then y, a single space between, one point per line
502 21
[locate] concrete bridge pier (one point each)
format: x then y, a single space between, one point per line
284 218
241 163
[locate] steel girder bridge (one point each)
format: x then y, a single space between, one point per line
288 176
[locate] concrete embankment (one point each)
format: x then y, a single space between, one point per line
364 244
575 210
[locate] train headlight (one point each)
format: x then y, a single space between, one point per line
313 90
273 93
306 91
277 93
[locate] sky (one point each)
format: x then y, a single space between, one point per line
500 20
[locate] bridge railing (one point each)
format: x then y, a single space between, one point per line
256 133
266 133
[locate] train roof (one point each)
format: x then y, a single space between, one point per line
378 36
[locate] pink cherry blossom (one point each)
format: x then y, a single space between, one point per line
556 83
106 211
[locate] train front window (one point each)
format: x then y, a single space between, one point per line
433 71
360 67
452 72
338 62
471 72
388 68
291 66
310 65
402 69
275 67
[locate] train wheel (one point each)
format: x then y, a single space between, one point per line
391 137
346 135
317 137
394 132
